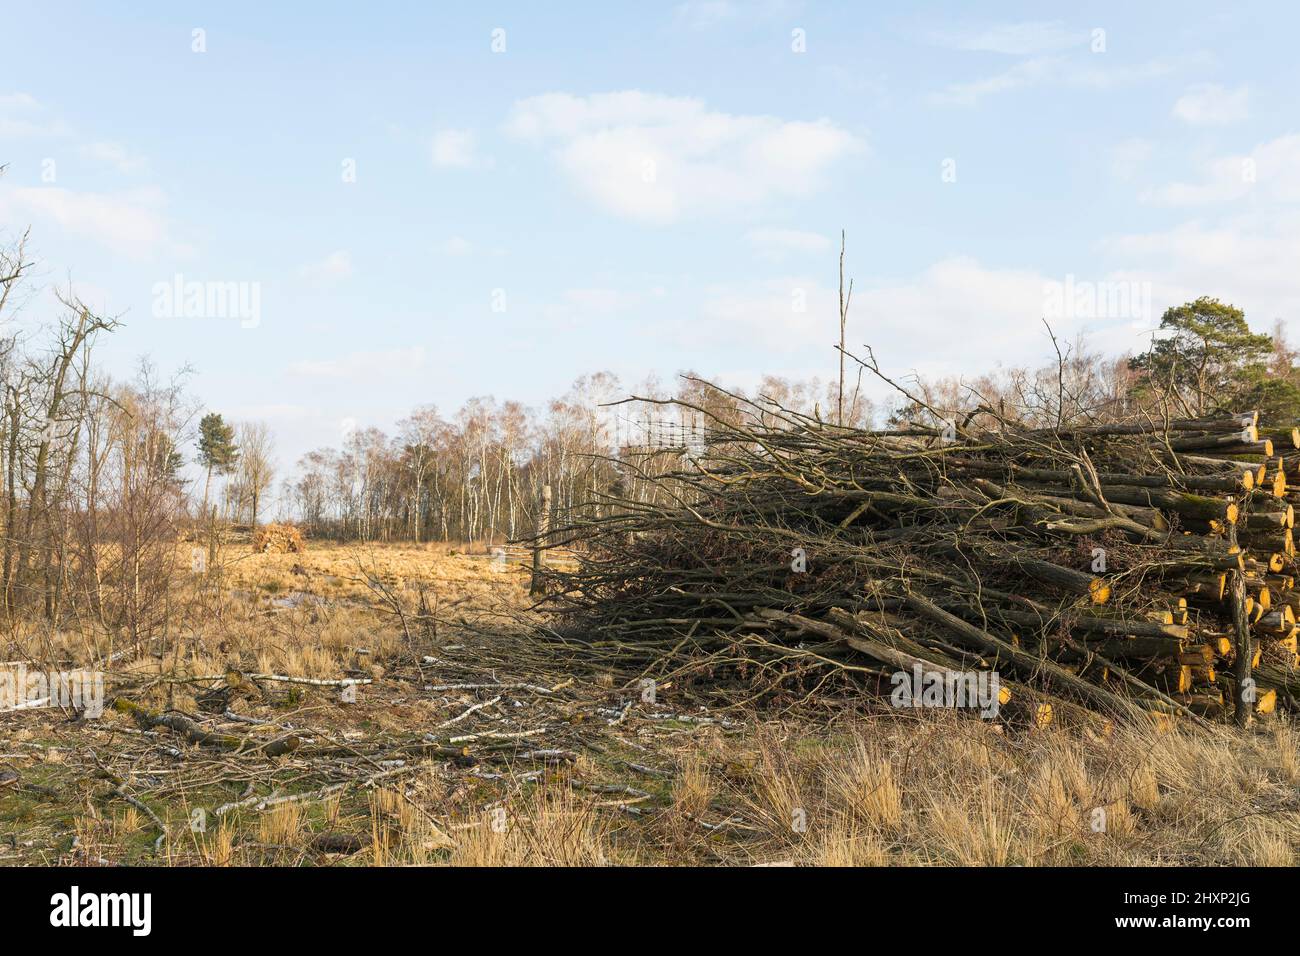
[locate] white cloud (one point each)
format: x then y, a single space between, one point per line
1018 39
371 366
778 313
955 317
857 81
22 116
1208 104
654 158
1097 73
1129 156
775 242
114 154
578 306
958 314
596 300
1089 71
969 93
454 148
455 246
1271 172
1248 260
337 265
130 222
1243 247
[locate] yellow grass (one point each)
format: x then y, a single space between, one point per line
871 788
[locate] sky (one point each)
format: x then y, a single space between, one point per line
370 207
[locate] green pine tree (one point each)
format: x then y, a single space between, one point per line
217 449
1210 360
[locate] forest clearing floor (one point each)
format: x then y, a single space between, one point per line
440 730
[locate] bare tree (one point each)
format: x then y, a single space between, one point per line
256 466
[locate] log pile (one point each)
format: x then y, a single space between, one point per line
278 539
1134 568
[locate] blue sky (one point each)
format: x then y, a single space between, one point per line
638 187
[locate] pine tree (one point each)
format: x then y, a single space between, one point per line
1208 359
217 449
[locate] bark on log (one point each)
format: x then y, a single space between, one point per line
1021 660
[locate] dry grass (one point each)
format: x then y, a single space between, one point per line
947 790
873 789
550 827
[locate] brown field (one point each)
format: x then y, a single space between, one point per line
477 742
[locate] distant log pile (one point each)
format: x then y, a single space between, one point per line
278 539
1135 568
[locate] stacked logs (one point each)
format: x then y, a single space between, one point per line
1135 568
278 539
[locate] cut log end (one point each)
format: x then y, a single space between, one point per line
1041 716
1099 591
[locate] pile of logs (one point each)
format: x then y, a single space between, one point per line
278 539
1136 568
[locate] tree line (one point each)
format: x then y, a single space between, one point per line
1203 358
477 475
93 488
94 493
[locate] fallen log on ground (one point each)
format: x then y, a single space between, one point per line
195 734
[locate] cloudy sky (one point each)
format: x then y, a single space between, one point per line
422 203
